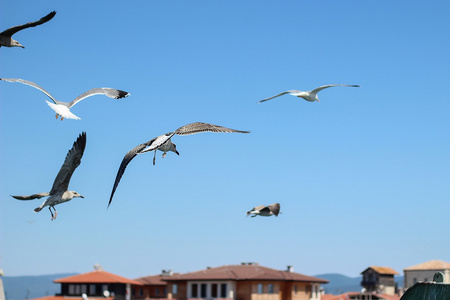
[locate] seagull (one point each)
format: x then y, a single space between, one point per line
310 96
59 192
163 143
62 109
6 39
265 211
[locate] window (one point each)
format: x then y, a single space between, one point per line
203 290
141 292
295 289
92 289
174 288
194 290
260 288
270 288
71 289
157 291
104 287
223 290
214 290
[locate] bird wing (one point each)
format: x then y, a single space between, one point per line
274 208
280 94
126 160
258 208
111 93
72 161
203 127
10 31
31 84
316 90
31 197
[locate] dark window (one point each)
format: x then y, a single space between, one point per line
223 290
260 288
270 288
157 291
214 290
194 290
203 290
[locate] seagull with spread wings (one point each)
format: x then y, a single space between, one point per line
310 96
164 143
265 210
62 109
59 192
6 39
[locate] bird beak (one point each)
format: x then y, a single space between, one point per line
81 196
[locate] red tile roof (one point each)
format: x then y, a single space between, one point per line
382 270
99 276
70 298
154 279
245 272
430 265
357 295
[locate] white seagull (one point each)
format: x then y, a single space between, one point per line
163 143
59 192
62 109
6 39
310 96
265 210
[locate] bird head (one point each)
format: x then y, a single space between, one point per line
16 44
175 149
75 194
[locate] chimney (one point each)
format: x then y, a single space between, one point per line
290 269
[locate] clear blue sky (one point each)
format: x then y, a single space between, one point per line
362 177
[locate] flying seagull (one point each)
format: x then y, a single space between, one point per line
59 192
6 39
62 109
163 143
310 96
265 211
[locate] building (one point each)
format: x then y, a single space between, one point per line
152 286
425 272
379 280
93 285
247 281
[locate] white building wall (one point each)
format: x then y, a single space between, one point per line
413 276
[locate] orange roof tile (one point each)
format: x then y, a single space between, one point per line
430 265
99 276
245 272
70 298
357 295
382 270
154 279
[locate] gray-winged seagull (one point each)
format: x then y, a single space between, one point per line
163 143
265 210
62 109
6 39
59 192
310 96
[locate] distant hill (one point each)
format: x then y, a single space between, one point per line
26 287
340 284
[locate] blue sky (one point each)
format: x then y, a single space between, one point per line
362 176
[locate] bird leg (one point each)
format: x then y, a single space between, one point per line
50 209
56 116
62 118
164 154
154 158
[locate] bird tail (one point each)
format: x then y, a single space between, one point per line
38 209
63 111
